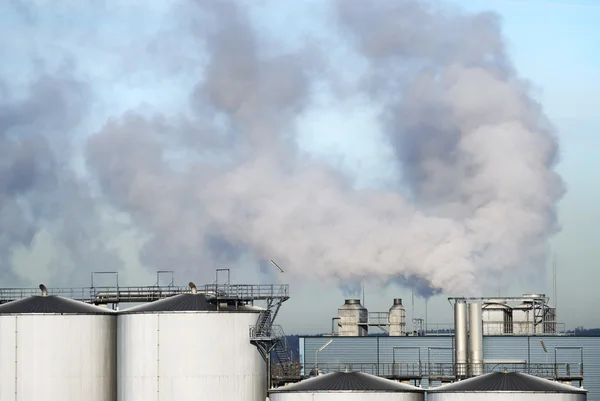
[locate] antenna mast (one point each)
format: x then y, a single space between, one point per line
554 281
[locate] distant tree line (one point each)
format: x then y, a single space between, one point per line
581 331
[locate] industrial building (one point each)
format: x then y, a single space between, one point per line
515 334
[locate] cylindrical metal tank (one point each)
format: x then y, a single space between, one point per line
347 386
460 337
183 348
498 386
57 349
352 319
397 318
475 339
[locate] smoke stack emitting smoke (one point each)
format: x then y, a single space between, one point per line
476 156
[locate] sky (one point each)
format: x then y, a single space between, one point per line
145 136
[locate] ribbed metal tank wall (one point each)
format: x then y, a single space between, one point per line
397 319
504 396
347 396
188 355
68 355
460 337
475 339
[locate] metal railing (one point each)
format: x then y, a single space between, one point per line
114 294
502 328
434 370
260 333
249 292
378 319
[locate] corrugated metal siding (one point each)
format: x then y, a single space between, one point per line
341 350
365 350
504 348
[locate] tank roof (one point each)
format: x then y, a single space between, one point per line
348 381
51 304
508 382
186 303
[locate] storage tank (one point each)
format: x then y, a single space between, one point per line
57 349
353 318
497 318
506 386
475 339
397 319
182 348
347 386
460 337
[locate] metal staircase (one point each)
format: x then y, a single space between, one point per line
264 323
270 339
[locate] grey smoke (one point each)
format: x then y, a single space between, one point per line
476 155
38 189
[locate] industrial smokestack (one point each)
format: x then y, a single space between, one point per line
353 318
475 339
397 319
460 337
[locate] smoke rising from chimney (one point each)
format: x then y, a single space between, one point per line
478 191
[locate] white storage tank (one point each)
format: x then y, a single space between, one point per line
57 349
347 386
182 348
497 386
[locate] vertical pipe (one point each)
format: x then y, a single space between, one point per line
475 339
460 337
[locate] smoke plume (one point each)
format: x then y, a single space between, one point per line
476 195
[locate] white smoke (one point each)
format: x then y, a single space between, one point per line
475 151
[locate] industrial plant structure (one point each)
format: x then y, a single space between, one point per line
347 386
180 344
53 348
514 334
212 340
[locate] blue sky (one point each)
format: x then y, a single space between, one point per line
552 43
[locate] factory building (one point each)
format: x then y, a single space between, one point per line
347 386
55 349
516 334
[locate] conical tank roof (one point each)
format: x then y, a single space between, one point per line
348 381
192 302
51 304
514 382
